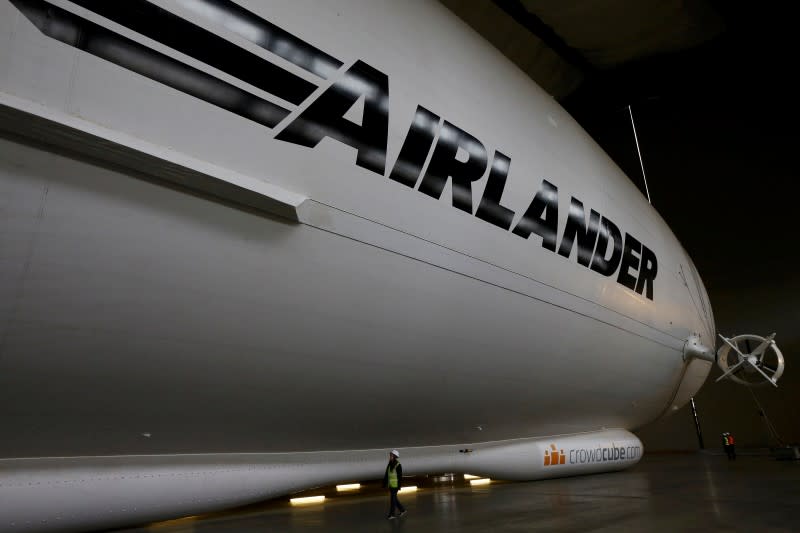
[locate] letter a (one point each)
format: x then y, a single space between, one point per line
325 117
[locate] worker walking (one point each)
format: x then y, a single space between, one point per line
731 448
393 479
729 445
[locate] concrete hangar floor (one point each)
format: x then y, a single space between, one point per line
664 492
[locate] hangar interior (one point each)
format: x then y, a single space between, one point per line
709 84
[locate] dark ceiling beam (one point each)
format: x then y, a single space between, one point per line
548 36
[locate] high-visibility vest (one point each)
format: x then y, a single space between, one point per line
393 477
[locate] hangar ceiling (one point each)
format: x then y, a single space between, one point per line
561 44
712 86
599 55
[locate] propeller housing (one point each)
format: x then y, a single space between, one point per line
750 367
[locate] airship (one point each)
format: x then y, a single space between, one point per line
248 247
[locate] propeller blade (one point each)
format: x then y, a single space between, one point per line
759 351
736 348
732 369
762 373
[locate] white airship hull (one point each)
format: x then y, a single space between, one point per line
183 291
247 333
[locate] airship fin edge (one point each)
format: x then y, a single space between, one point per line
32 122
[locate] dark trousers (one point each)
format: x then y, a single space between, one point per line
394 503
731 450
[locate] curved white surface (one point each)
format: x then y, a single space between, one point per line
145 313
89 492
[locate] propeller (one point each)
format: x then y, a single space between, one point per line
749 368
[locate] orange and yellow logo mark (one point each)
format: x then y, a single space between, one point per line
554 456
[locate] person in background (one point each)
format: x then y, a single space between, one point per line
393 479
731 448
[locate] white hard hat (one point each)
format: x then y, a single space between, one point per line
395 453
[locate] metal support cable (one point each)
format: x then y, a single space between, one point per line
770 428
641 162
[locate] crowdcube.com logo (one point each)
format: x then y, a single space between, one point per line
554 456
601 454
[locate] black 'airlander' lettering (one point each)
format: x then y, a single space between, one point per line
630 259
601 264
577 227
541 217
490 209
325 117
644 263
647 272
415 148
445 163
457 155
462 158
